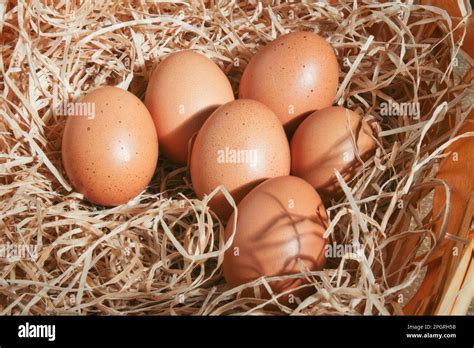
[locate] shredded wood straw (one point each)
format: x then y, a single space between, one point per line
162 252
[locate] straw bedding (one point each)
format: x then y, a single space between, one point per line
162 252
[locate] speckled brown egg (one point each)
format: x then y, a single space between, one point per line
239 146
324 142
182 93
110 156
294 75
280 229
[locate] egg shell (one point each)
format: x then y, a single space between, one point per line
295 74
182 93
110 157
240 145
323 142
280 223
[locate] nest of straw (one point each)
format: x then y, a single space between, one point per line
162 252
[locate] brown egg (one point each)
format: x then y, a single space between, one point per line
110 156
293 75
239 146
280 223
183 91
323 142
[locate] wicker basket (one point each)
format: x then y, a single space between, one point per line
448 286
